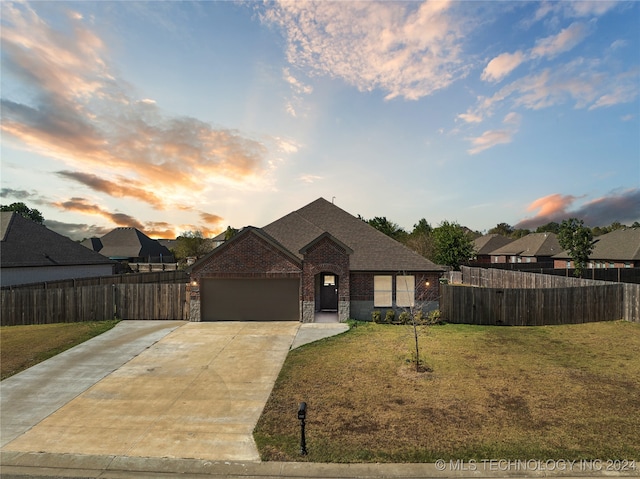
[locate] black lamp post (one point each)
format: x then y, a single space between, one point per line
302 415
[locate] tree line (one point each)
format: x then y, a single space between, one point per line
448 244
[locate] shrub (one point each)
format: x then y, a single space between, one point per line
375 316
404 318
390 316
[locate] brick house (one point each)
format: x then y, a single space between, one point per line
617 249
532 248
316 259
487 244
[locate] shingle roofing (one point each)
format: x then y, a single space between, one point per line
127 243
26 243
372 250
488 243
534 244
622 245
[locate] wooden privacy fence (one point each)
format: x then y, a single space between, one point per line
531 307
625 305
94 303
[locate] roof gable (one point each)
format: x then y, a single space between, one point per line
533 244
129 243
237 239
372 250
27 244
489 243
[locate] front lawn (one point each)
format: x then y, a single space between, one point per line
551 392
23 346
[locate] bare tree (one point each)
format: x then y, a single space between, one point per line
416 296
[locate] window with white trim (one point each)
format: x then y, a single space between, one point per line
382 291
405 290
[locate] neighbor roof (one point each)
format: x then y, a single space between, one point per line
26 243
534 244
488 243
622 244
372 250
129 242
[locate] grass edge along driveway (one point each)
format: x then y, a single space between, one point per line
24 346
550 392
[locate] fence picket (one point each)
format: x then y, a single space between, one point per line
94 303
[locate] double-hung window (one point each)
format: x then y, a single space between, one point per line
382 291
405 290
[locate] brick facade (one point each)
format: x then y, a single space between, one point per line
248 256
252 255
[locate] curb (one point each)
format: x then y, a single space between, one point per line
73 466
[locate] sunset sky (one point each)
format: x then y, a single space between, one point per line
177 116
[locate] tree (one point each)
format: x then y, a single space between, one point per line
453 246
418 315
420 239
577 240
382 224
503 229
191 244
24 210
551 227
230 233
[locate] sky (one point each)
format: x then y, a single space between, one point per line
194 116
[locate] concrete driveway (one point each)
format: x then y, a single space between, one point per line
196 393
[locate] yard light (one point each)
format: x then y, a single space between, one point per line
302 415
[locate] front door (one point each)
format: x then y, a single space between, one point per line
328 292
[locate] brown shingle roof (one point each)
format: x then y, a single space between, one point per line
128 243
534 244
372 250
26 244
488 243
621 245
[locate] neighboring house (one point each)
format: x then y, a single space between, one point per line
32 253
532 248
487 244
618 249
318 258
129 245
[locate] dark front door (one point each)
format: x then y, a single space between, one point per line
328 292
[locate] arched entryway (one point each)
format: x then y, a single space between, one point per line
326 297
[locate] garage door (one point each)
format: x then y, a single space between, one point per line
250 299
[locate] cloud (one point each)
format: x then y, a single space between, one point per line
404 49
492 138
123 187
74 109
211 219
564 41
81 205
586 84
310 178
489 139
470 117
551 46
76 231
621 206
502 65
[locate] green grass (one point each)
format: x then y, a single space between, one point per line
553 392
23 346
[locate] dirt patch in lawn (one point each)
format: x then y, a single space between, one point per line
554 392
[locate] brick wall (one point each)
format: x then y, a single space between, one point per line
328 257
248 256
